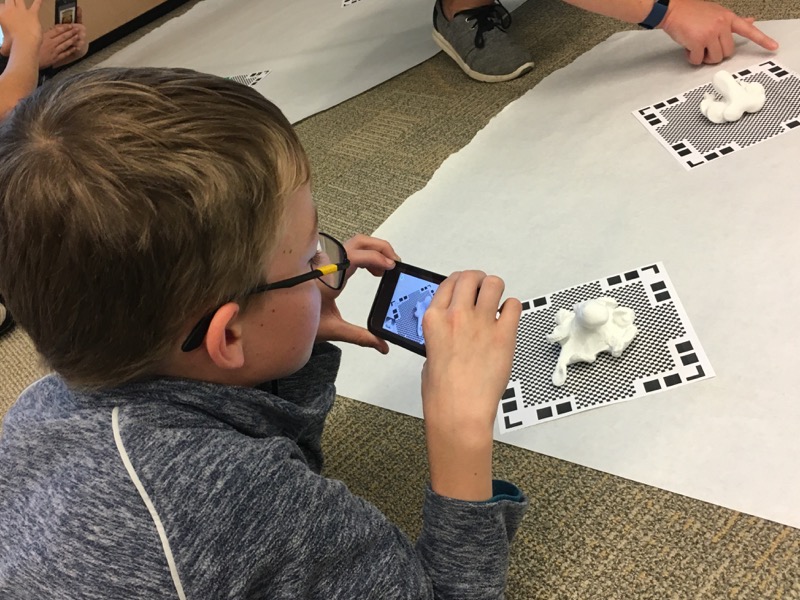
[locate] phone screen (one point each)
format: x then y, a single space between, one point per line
66 12
412 297
403 296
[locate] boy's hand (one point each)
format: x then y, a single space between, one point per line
365 252
469 354
706 30
20 24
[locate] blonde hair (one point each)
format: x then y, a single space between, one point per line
132 200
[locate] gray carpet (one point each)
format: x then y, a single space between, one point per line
587 534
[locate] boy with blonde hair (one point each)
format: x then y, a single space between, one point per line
159 243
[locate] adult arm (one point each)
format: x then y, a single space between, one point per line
704 29
22 37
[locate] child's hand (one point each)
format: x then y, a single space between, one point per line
706 30
365 252
20 24
469 354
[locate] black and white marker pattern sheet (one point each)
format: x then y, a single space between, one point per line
251 79
693 140
665 354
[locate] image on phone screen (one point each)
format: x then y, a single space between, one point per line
403 296
411 298
66 12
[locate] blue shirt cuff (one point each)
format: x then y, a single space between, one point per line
504 490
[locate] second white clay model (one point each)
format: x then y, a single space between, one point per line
739 97
595 326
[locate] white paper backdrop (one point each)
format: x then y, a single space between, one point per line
318 52
564 186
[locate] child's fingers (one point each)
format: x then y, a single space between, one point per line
444 294
373 260
466 290
489 295
366 242
510 313
37 4
343 331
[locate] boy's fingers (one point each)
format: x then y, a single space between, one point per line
353 334
370 259
466 290
366 242
510 313
489 295
444 293
37 4
753 33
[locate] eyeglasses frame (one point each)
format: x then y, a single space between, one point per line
199 331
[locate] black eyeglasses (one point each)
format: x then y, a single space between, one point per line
330 254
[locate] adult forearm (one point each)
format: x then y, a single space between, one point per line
20 77
630 11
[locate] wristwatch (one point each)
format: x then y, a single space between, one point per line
656 15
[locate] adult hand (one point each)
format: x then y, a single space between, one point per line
79 43
364 252
58 44
469 354
20 23
706 30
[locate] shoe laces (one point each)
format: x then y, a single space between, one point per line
486 18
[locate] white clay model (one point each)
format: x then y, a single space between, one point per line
596 326
739 97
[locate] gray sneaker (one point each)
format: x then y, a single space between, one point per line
478 40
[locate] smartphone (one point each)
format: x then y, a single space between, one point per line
66 12
403 296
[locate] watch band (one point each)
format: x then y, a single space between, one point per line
656 15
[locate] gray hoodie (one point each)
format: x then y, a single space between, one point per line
175 488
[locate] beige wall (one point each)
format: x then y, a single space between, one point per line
101 16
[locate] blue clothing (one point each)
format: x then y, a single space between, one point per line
175 488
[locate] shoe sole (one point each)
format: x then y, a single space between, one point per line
450 51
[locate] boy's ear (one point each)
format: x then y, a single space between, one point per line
223 341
